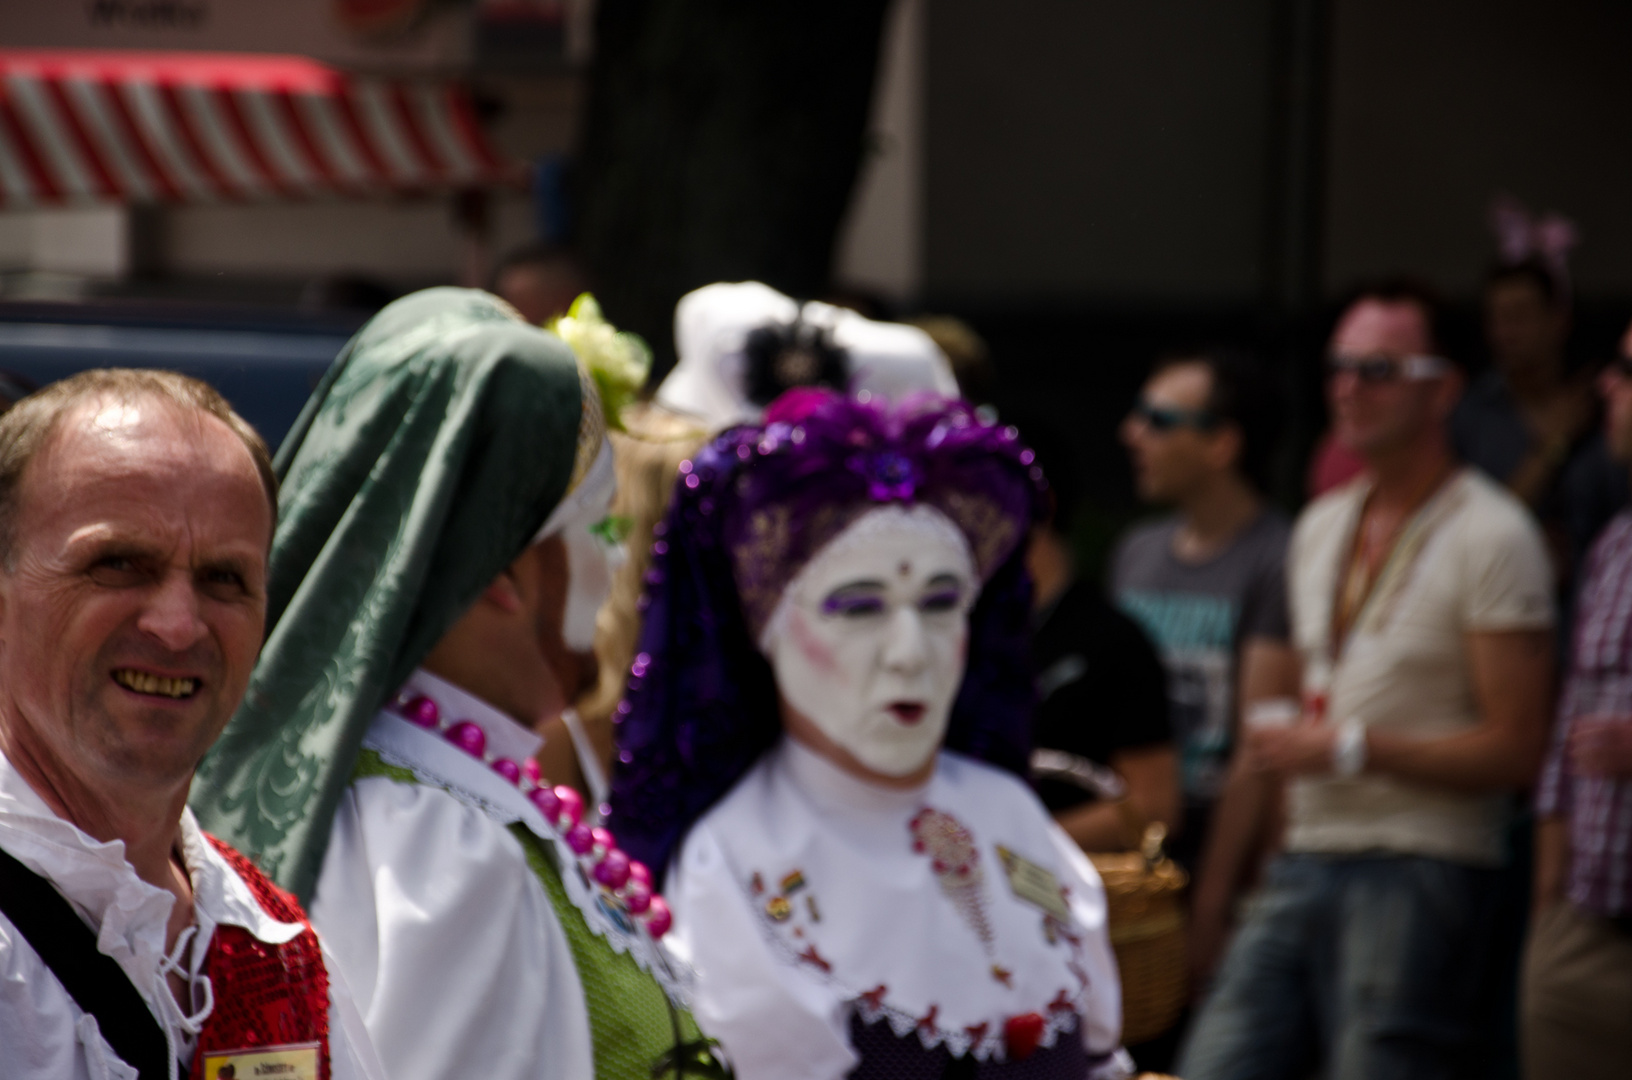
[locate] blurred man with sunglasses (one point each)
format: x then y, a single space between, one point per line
1577 989
1207 583
1421 609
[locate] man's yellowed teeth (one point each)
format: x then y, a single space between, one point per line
143 683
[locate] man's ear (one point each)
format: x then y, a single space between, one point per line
1224 449
504 593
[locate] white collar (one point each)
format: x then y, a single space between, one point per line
129 915
96 878
505 737
436 762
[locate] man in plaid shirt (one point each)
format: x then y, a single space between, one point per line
1577 995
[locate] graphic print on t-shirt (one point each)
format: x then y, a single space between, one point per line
1195 634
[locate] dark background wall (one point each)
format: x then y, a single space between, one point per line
1436 106
1106 151
1107 181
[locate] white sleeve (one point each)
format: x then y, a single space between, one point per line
447 941
1102 1025
43 1035
351 1051
1508 577
774 1021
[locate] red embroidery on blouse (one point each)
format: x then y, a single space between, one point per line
265 995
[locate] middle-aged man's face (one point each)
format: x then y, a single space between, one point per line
135 602
526 646
1175 445
1378 416
1615 385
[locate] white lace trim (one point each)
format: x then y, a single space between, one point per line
958 1041
436 764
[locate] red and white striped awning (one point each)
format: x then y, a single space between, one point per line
87 127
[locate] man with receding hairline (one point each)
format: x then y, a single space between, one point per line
136 512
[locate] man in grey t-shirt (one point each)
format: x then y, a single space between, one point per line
1207 584
1200 612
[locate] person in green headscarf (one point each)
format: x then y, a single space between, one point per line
441 551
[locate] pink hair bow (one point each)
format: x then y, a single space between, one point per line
1520 235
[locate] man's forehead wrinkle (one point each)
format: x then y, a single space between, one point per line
146 437
113 474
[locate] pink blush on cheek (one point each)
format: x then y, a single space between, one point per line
810 646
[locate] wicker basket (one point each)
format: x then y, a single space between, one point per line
1143 892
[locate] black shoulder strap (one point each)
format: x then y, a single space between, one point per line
94 979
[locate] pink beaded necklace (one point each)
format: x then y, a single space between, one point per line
626 880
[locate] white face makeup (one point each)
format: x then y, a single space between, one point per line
594 553
593 556
869 642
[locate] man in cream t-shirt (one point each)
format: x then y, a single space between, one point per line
1421 607
1469 561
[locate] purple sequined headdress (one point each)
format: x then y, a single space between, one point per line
752 508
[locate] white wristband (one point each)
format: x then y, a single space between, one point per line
1349 749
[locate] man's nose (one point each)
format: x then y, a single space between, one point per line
1341 384
904 646
172 616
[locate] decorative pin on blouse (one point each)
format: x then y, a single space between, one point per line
956 863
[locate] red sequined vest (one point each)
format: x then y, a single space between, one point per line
265 995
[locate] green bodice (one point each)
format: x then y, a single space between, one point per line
637 1032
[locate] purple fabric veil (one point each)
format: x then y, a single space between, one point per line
750 509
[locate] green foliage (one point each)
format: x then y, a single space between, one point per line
618 360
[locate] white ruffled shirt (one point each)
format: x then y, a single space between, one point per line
800 899
456 955
44 1035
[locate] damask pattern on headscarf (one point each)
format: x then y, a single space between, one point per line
423 464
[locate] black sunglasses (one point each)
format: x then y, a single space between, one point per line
1163 418
1381 368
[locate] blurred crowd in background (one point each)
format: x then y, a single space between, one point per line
1166 675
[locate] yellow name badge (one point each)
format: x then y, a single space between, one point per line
292 1061
1034 884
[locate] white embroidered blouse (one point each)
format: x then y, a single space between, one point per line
44 1035
808 896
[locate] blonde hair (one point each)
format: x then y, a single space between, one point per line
647 456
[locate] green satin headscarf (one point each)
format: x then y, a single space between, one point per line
426 460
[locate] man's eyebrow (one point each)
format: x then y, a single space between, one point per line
241 564
109 543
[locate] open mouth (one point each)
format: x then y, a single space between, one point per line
908 712
156 685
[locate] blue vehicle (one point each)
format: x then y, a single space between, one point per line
265 362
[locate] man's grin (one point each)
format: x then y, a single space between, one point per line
158 685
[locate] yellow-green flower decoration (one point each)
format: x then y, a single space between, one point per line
618 360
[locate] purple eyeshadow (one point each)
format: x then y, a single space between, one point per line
852 605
